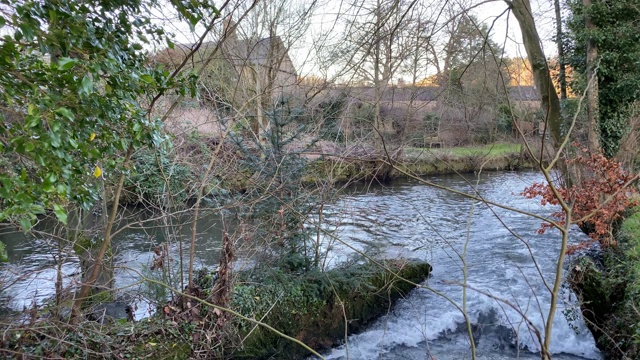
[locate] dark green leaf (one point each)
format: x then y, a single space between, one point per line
65 112
32 120
61 213
87 85
66 63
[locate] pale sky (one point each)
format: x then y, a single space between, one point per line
505 31
323 25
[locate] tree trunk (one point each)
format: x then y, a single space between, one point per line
549 98
562 72
103 251
378 131
592 84
262 125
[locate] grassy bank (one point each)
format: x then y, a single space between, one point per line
421 162
490 150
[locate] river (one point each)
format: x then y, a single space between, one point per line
411 220
405 219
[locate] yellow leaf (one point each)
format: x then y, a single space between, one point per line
97 172
92 136
153 344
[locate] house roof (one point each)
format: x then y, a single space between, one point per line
421 93
267 52
418 93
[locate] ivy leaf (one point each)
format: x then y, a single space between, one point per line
87 85
148 79
65 112
66 63
61 213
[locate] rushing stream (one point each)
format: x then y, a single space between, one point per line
402 220
411 220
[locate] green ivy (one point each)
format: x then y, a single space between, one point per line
617 35
155 176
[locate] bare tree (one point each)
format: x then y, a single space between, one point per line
378 43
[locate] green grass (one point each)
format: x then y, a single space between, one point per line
631 225
498 149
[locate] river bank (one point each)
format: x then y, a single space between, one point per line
418 162
316 308
239 168
608 284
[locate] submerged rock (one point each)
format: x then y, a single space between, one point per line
111 311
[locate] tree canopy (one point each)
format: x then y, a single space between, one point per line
77 89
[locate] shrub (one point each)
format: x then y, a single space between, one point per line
147 180
599 199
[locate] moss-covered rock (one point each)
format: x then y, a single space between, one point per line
317 308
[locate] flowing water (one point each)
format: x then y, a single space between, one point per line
411 220
402 220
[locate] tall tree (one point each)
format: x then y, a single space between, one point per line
472 81
260 55
593 141
562 72
549 98
605 38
